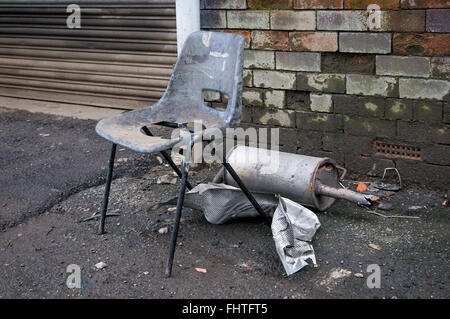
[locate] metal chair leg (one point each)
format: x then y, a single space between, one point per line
176 223
247 193
101 228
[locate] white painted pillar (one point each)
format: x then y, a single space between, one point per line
188 20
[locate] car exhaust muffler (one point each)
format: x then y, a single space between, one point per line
311 181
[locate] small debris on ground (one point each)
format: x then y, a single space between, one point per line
44 134
359 275
166 179
122 160
100 265
385 206
171 209
361 187
336 275
159 159
374 246
163 230
202 270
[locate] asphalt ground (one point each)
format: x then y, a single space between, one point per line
52 171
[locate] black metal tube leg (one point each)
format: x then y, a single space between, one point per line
101 228
247 193
176 223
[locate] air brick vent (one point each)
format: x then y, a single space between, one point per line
397 150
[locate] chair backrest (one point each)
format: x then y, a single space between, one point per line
211 61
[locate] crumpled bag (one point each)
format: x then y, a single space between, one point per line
293 225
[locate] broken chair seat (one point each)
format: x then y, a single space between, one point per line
127 129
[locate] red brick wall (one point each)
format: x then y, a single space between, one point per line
335 82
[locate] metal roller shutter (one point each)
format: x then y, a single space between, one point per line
121 57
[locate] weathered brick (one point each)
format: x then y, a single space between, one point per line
333 83
403 21
314 41
298 100
440 67
293 20
246 116
289 136
254 59
363 4
359 105
428 111
247 78
309 140
341 142
358 165
319 122
348 63
225 4
338 157
365 42
423 4
298 61
421 44
274 98
269 4
422 132
274 79
342 20
364 126
403 65
321 103
438 20
270 40
211 96
318 4
399 109
213 19
372 85
427 175
274 117
289 139
245 33
248 19
252 97
423 89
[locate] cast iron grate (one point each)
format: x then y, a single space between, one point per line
397 150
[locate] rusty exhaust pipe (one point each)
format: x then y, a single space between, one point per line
311 181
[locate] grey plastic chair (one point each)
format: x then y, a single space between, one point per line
208 61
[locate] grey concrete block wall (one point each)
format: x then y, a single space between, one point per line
336 84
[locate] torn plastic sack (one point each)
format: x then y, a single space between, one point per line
221 203
293 225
